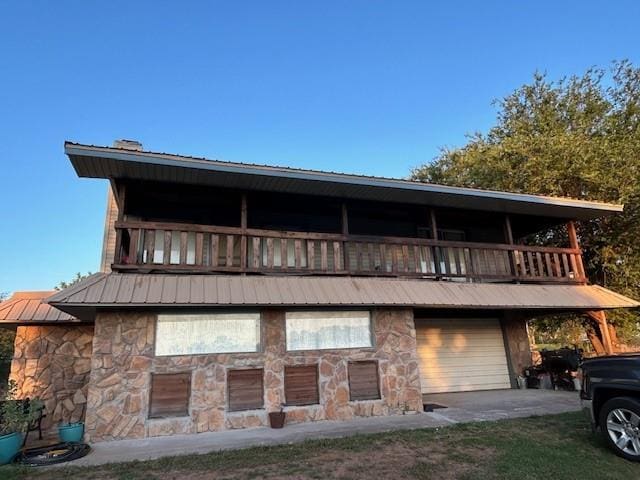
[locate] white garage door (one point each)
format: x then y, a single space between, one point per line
459 355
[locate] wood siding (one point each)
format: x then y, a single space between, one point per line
363 380
301 385
245 389
109 238
170 393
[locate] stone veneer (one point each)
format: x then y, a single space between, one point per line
53 363
123 361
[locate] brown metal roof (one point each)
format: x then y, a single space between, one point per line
127 290
29 308
111 162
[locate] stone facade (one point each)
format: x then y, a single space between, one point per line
516 342
123 360
53 363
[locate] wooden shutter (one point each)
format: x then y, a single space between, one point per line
245 389
363 380
170 394
301 385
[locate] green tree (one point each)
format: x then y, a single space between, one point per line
577 137
7 337
79 277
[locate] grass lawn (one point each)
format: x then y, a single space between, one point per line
549 447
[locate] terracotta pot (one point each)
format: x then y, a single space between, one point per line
276 419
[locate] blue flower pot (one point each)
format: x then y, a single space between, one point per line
9 447
71 432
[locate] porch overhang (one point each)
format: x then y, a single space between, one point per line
163 291
110 162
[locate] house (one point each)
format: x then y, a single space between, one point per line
228 290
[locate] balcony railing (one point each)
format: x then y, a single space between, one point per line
151 246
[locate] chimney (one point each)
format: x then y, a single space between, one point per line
128 145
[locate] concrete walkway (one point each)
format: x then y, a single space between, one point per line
462 407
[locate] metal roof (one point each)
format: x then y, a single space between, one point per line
128 290
28 308
110 162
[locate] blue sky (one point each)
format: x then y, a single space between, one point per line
357 86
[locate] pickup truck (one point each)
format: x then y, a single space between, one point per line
610 394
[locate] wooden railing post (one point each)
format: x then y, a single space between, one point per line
575 245
117 257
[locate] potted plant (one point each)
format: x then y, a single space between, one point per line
71 432
276 419
15 417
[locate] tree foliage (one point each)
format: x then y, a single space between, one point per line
78 277
577 137
7 337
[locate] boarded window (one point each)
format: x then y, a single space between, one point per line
245 389
170 394
363 380
301 385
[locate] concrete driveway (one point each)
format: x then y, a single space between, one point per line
499 404
461 407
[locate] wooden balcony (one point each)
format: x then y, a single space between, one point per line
155 247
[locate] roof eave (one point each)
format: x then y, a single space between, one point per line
561 206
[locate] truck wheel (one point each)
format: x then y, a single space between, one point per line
619 421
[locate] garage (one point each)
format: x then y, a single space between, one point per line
458 355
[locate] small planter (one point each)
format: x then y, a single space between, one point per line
72 432
9 447
276 419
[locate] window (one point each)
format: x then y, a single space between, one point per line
363 380
301 385
245 389
324 330
191 334
170 394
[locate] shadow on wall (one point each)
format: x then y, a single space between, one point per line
53 363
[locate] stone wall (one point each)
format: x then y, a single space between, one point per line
53 363
123 361
516 340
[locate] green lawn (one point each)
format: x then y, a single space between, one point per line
549 447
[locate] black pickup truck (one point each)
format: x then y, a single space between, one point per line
610 394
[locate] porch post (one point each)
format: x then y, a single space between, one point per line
243 236
508 232
345 232
601 319
513 255
434 236
516 344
